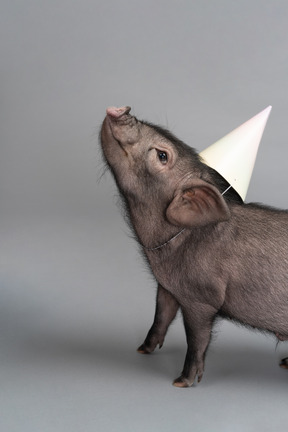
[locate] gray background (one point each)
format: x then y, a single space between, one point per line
75 298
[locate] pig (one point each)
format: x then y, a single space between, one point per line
212 255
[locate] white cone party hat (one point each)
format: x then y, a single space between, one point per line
234 155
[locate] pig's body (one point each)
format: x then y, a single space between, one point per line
229 271
211 256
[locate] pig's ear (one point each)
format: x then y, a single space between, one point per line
197 205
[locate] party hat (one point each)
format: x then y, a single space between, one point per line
234 155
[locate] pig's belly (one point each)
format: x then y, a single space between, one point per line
259 309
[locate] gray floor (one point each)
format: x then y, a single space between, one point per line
71 319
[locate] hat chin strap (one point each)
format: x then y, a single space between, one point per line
176 235
226 190
164 244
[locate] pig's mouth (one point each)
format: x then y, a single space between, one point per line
110 134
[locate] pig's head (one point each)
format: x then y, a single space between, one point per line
160 175
142 155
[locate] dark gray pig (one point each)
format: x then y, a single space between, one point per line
212 255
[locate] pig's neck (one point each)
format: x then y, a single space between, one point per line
162 245
152 230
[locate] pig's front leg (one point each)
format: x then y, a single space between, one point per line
198 327
166 309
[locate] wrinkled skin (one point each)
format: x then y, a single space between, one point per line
212 255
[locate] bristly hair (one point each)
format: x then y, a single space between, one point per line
180 145
103 170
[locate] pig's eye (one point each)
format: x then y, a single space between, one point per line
162 156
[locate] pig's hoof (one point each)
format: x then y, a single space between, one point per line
182 383
143 349
284 363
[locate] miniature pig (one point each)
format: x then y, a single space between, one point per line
211 254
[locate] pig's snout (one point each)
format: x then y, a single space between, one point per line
121 126
117 113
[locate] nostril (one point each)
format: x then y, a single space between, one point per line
118 112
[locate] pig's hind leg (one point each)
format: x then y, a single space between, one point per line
284 363
166 309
